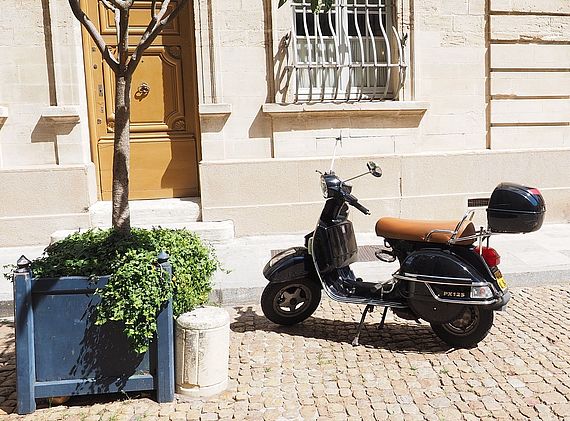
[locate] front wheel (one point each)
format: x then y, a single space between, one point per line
287 303
467 330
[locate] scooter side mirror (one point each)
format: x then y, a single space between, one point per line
374 169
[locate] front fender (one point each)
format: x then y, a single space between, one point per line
291 264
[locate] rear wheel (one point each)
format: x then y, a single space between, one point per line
467 330
287 303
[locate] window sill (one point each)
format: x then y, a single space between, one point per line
61 114
214 110
392 108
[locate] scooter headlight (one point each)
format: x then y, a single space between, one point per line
324 188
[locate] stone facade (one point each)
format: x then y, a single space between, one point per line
47 180
486 99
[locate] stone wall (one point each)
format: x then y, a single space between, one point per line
43 88
484 76
283 195
37 201
449 72
446 69
529 45
46 173
232 49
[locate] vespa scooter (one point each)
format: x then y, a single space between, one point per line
448 274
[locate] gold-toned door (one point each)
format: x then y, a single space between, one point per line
164 107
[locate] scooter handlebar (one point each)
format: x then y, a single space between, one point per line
361 208
353 201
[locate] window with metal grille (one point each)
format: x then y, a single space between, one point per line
353 52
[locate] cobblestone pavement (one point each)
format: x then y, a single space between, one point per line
520 371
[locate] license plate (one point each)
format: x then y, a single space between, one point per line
500 280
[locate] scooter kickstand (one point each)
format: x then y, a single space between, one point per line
368 309
381 325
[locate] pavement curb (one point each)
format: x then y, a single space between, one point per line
251 296
537 279
236 296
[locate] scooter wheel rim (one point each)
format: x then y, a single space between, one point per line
465 323
292 300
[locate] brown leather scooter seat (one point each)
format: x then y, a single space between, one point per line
414 230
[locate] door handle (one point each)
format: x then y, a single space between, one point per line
144 89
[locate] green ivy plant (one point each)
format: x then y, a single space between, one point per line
137 287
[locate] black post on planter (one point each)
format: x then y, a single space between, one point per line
165 343
24 321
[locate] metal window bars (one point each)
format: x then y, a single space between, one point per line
351 53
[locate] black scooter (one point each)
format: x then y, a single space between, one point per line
448 274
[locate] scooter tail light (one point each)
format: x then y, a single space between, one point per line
535 191
490 255
482 292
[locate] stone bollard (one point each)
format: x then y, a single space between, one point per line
202 352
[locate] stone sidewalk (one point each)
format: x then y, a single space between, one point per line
526 260
311 371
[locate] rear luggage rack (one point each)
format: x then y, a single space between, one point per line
512 209
468 217
481 235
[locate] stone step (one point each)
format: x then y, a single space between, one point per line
213 232
151 212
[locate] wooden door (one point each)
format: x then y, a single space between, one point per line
164 106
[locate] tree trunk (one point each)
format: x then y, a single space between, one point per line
121 154
123 68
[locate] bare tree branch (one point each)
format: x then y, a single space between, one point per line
123 41
95 35
156 17
114 7
123 4
163 9
153 9
108 5
157 23
114 4
118 25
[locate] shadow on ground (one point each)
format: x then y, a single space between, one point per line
397 336
7 367
8 379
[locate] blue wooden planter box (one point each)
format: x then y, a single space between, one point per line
61 352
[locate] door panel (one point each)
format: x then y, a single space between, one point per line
164 111
157 91
161 170
139 19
